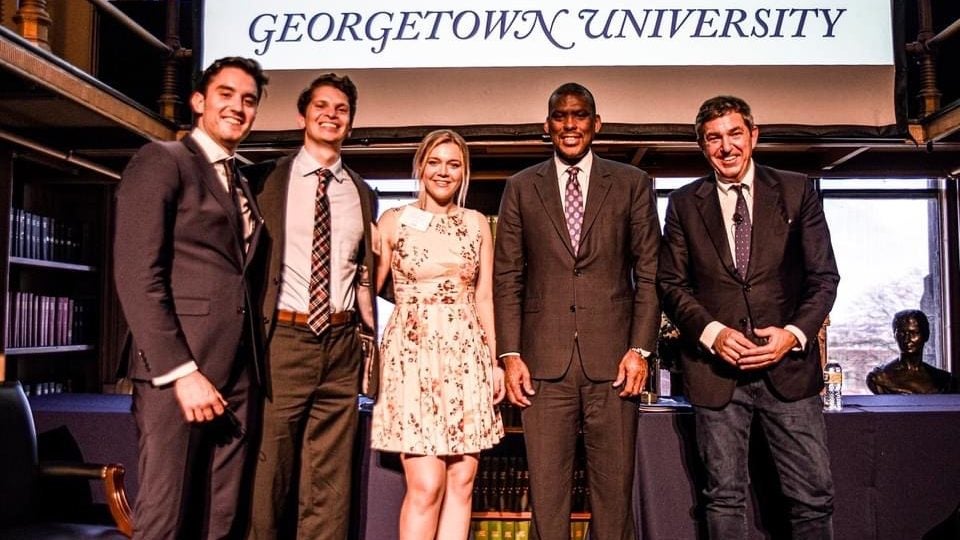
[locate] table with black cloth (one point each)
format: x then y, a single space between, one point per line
895 462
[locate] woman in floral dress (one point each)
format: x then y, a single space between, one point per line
440 381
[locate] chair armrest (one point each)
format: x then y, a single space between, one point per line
112 477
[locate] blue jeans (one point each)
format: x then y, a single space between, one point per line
796 434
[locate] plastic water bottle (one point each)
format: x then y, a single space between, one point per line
833 380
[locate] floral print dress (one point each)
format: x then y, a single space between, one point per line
436 393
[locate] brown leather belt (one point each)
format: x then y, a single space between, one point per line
300 319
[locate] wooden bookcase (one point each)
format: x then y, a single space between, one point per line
56 222
501 509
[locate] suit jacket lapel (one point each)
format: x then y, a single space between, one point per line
208 175
768 215
273 204
549 191
600 183
255 217
709 206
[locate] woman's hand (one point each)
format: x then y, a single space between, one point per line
499 388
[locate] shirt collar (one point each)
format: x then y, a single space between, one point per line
213 151
746 181
309 165
585 164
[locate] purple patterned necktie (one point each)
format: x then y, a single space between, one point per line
318 317
742 227
574 207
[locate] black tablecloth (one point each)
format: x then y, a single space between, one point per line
895 461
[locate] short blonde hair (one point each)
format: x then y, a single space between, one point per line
428 144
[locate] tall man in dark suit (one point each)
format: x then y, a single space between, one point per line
747 273
187 226
576 313
314 370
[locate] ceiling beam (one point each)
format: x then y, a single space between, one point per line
842 156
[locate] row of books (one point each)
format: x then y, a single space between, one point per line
503 485
35 320
498 529
492 220
510 415
47 387
45 238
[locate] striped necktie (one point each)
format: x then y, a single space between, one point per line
318 317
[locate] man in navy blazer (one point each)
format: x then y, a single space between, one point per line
187 229
576 311
747 274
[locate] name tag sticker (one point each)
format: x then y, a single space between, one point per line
415 218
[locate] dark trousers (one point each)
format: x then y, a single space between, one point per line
309 425
796 434
560 409
191 475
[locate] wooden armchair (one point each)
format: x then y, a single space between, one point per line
21 496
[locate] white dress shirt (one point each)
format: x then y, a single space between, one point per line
346 235
583 177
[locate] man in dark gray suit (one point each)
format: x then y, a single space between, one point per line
747 274
576 313
314 374
187 229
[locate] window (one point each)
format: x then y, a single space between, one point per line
886 237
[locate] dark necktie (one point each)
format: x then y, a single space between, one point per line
574 207
233 175
318 317
742 228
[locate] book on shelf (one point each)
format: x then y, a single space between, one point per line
578 530
35 320
503 485
479 529
494 529
46 238
522 530
492 220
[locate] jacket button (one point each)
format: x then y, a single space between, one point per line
242 310
573 309
746 288
743 322
577 272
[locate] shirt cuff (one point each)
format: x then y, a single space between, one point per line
801 337
709 335
506 354
176 373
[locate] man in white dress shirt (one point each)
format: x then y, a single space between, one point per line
318 296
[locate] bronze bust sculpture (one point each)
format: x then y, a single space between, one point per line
908 374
